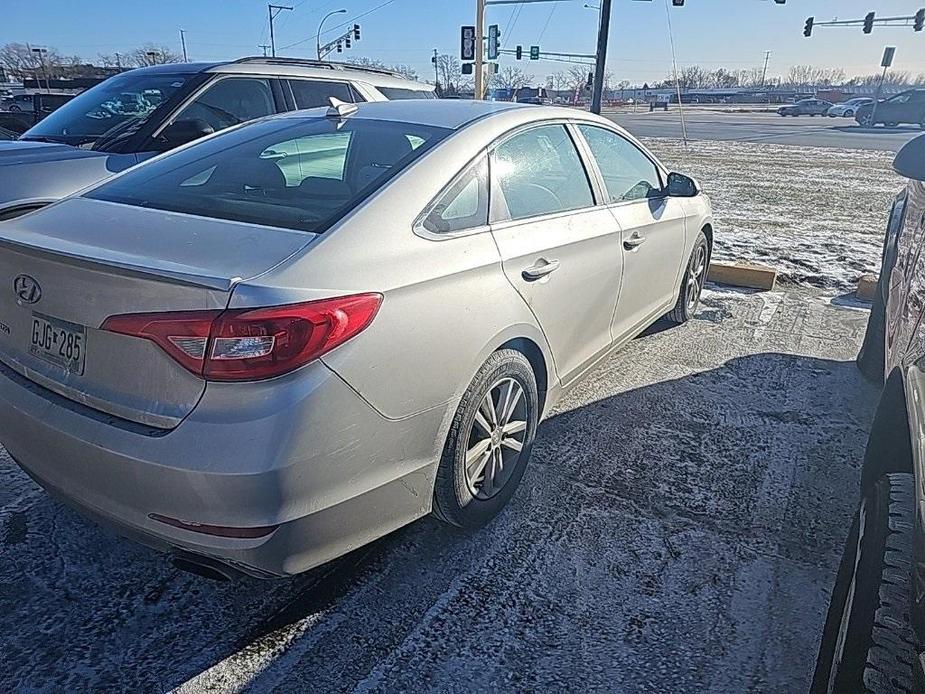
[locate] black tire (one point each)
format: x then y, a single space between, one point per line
891 124
686 305
15 109
868 644
849 114
866 120
454 499
871 359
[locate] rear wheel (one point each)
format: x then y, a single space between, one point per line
695 276
489 443
866 119
868 644
848 114
891 124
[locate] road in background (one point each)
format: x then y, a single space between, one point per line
678 529
709 124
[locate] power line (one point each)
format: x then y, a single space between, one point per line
341 26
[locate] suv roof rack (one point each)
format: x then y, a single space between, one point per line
323 64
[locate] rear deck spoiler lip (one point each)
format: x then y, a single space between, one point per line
194 279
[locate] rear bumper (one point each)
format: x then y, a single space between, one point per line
303 452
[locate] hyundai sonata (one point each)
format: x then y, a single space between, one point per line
271 346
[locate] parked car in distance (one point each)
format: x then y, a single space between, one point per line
806 107
17 104
874 638
308 296
905 107
847 109
140 113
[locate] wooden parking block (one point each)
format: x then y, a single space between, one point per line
743 275
867 287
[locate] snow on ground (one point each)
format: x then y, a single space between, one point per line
677 530
816 214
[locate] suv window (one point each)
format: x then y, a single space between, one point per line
628 173
231 101
539 172
399 93
900 99
318 156
314 93
464 205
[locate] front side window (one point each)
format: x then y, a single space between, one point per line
294 173
231 101
539 172
464 205
628 173
900 99
315 93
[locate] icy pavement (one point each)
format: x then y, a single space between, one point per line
816 214
677 530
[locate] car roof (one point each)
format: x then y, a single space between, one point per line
292 67
454 114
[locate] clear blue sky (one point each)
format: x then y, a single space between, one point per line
713 33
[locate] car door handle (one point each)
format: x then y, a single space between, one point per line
634 242
541 269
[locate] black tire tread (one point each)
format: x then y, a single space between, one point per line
893 644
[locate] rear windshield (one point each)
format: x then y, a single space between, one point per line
398 93
294 173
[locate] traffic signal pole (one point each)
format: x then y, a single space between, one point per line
479 49
603 34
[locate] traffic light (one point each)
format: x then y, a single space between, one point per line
356 32
918 22
519 52
781 2
808 29
534 52
869 22
340 47
591 80
677 3
347 41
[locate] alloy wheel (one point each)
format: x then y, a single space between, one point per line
696 276
496 439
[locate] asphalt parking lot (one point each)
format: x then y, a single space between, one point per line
704 123
677 530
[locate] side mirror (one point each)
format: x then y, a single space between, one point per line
182 131
910 162
681 186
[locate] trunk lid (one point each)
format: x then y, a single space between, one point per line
65 269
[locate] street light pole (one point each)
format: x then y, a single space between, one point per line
278 8
603 33
321 24
436 71
183 44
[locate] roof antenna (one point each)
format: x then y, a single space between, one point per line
341 109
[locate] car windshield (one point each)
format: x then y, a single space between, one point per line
115 105
293 173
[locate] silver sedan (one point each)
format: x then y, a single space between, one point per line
276 344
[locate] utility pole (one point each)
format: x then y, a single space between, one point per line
183 44
264 46
278 8
888 54
764 73
603 33
479 49
436 72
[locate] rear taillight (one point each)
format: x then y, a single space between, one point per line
251 344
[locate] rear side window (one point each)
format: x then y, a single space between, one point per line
464 205
628 173
539 172
295 173
314 93
399 93
231 101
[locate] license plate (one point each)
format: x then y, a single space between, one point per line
59 342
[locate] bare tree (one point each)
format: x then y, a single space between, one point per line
405 71
19 61
577 77
558 80
449 75
152 54
512 78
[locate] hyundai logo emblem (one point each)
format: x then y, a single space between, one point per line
26 289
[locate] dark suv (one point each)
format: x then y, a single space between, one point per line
874 635
140 113
906 107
